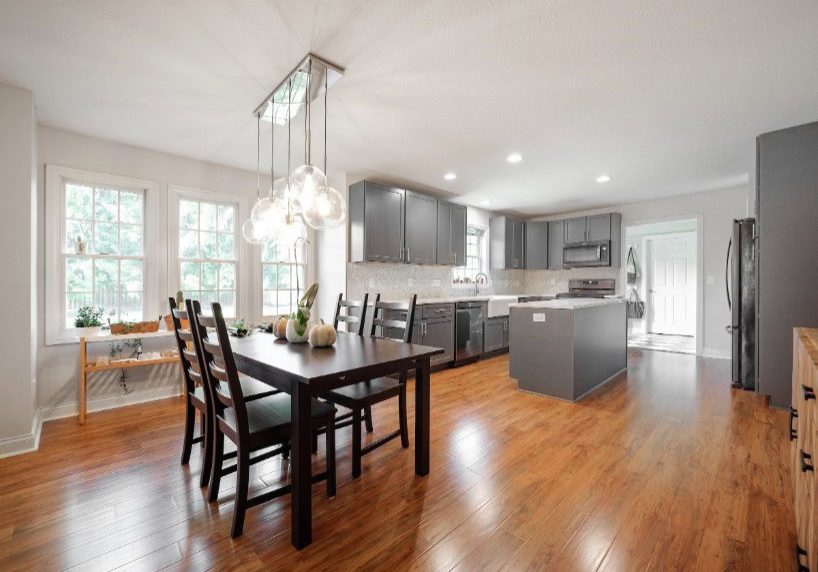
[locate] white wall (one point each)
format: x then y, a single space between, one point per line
331 252
19 427
57 366
717 210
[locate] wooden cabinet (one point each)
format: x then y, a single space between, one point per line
536 245
802 434
507 243
376 222
451 234
556 243
420 223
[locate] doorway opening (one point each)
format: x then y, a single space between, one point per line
661 273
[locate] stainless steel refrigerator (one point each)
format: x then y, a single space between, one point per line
740 281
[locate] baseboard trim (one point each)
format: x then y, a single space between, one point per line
716 354
27 443
72 409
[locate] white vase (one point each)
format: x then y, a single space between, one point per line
88 332
293 336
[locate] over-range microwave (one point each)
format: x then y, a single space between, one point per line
587 254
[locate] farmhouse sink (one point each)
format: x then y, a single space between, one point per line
498 305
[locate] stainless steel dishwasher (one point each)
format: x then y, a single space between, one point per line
468 337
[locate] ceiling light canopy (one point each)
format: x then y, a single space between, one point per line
603 179
514 158
450 176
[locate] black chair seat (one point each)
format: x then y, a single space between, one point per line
269 418
251 389
370 392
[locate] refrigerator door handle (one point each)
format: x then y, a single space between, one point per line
727 273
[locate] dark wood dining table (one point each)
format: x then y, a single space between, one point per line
306 372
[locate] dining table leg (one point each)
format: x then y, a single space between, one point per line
422 376
300 465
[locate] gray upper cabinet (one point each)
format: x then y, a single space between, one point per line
507 243
451 234
420 228
598 227
459 219
536 245
556 242
575 230
376 222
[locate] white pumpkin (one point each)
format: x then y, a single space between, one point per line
322 335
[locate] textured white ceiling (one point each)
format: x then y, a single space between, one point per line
666 97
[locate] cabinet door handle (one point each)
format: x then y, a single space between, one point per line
793 416
407 255
401 254
809 393
805 466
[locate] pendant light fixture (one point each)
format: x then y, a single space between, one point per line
325 208
303 195
249 230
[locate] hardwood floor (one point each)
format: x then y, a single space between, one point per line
664 468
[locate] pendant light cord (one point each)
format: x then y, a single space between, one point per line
289 139
326 89
272 145
307 116
258 156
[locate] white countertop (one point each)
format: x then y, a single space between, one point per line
570 303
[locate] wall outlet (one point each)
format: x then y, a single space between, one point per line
538 317
553 281
437 283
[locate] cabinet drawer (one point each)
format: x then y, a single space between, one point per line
437 311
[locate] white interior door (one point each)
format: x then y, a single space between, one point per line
671 279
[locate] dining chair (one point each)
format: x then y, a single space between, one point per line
261 426
195 399
389 320
358 320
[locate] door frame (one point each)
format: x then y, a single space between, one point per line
700 277
647 275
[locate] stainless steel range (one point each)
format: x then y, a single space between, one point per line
589 288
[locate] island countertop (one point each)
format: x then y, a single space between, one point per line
569 303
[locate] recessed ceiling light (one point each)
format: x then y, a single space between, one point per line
450 176
603 179
514 158
485 203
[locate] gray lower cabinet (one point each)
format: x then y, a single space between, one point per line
494 334
536 245
376 219
451 234
556 243
506 330
421 229
434 326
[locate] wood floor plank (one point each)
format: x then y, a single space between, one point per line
664 468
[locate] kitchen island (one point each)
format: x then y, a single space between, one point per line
568 347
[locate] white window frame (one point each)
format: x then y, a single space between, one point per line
483 256
244 269
56 329
308 279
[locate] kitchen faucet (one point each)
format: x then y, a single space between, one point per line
477 282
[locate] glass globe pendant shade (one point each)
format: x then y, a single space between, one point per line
251 232
282 189
326 209
291 229
268 213
305 181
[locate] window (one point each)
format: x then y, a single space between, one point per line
207 240
105 251
279 280
475 257
98 232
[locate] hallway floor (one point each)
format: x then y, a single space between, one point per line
662 342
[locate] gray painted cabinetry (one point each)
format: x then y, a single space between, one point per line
495 334
556 242
588 228
536 245
388 224
451 234
507 243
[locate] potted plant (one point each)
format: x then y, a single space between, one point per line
297 326
241 328
88 321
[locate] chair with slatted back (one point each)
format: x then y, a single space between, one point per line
363 395
262 427
357 319
195 399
